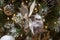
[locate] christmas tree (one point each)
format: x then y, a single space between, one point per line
30 19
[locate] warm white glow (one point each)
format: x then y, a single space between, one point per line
46 26
55 23
14 14
39 4
7 18
26 1
43 20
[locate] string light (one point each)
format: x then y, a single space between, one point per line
14 19
0 9
7 18
39 4
43 20
55 22
21 35
22 2
26 1
46 27
35 8
14 14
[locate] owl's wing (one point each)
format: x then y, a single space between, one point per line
32 8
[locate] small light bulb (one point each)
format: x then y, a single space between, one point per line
21 35
0 9
12 18
15 20
22 3
35 8
14 14
39 4
7 18
55 23
46 27
43 20
26 1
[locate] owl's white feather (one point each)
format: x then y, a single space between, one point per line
32 8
